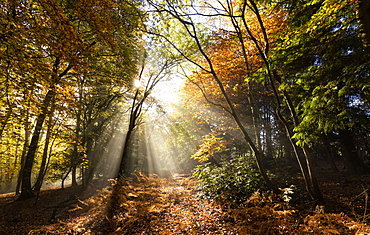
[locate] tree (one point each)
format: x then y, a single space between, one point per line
191 27
148 78
325 67
35 42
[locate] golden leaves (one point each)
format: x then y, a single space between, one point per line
165 207
211 144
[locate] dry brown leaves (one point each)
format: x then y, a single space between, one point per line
153 205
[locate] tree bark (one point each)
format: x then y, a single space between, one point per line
26 189
42 171
24 152
74 175
124 166
5 121
65 177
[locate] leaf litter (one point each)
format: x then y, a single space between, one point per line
153 205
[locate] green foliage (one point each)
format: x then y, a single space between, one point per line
233 181
324 67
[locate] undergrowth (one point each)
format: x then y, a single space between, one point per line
232 181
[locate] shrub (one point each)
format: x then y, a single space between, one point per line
233 180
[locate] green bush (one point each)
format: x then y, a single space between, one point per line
233 181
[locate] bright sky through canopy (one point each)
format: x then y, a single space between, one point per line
167 91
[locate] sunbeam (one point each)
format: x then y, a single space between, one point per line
103 161
153 145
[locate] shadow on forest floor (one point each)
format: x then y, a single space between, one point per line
153 205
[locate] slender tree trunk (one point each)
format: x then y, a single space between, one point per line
74 175
290 159
24 152
5 121
316 191
124 168
27 134
15 161
23 158
26 191
305 166
10 105
307 171
65 177
75 158
86 170
269 147
255 118
136 109
42 170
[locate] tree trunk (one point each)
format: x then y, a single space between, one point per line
124 168
74 175
5 121
65 177
27 134
86 171
42 171
24 152
26 191
305 166
290 159
353 163
307 171
75 158
268 130
134 115
316 191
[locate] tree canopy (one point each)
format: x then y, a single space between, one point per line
267 85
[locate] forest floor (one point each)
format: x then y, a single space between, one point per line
152 205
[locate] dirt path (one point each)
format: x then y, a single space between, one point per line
143 206
194 216
188 214
152 205
159 206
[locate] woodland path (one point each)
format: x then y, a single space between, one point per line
147 206
160 206
153 205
